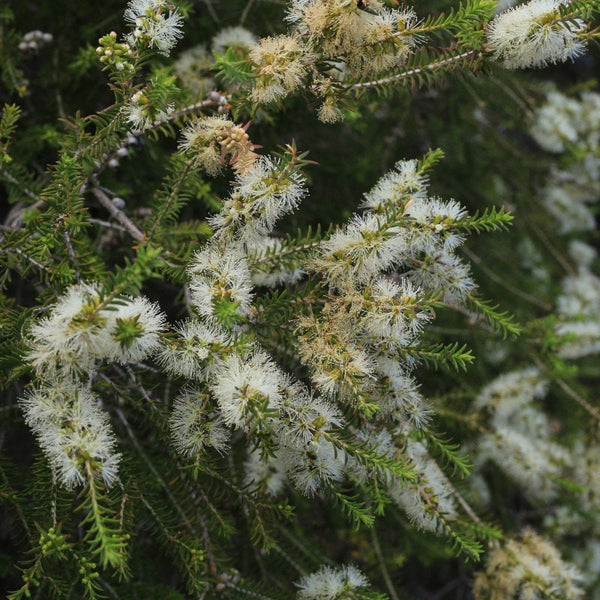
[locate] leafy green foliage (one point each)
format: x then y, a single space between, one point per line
104 535
491 219
503 322
456 355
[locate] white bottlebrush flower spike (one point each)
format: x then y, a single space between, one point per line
194 352
74 433
394 312
505 395
244 387
444 274
369 41
526 455
73 336
580 296
429 499
557 122
402 402
281 63
329 583
194 426
232 37
303 417
535 35
360 251
135 326
217 276
260 197
157 24
578 338
397 188
314 466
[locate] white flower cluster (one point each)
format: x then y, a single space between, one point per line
519 441
261 196
586 473
579 306
578 525
219 279
331 584
34 40
238 385
431 497
535 34
355 39
354 345
238 38
564 121
157 24
193 349
367 41
359 346
73 431
571 126
193 425
192 67
246 390
246 386
527 567
402 229
141 115
81 331
281 64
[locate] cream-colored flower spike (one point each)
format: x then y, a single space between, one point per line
528 566
535 35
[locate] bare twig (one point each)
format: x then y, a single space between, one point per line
119 215
593 411
247 8
386 576
434 66
106 224
72 254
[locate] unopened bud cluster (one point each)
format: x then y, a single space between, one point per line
210 141
115 55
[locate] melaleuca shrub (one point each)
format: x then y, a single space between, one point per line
238 367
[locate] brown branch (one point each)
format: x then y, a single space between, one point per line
118 215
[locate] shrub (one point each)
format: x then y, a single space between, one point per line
234 369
